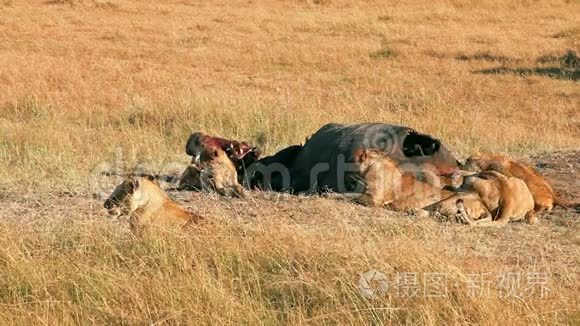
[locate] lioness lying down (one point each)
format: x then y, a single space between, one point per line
539 187
480 196
146 205
387 184
506 198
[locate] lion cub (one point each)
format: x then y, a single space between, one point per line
386 183
508 197
146 204
539 187
216 172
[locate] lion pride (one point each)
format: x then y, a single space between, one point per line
541 190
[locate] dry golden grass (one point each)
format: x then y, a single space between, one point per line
259 261
80 79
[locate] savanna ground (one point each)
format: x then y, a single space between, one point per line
86 82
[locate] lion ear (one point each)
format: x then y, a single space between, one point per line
360 155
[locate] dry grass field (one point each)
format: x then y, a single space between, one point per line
86 84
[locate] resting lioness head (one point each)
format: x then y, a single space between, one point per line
146 204
380 174
461 204
387 182
125 199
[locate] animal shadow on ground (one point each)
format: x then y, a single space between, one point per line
568 68
485 56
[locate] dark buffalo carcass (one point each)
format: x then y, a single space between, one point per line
325 162
273 172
